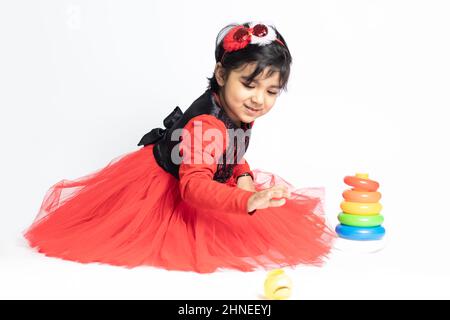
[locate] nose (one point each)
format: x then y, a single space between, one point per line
258 98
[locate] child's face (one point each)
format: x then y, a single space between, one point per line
246 102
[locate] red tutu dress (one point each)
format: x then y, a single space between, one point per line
140 211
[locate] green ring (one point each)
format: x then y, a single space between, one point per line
360 220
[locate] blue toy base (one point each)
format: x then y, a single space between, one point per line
360 233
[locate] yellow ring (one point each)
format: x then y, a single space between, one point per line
361 208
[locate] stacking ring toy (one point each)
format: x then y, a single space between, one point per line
360 221
361 184
361 196
361 208
360 233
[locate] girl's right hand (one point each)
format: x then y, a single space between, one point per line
268 198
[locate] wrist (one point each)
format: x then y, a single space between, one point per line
245 174
246 183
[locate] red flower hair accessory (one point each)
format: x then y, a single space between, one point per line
257 33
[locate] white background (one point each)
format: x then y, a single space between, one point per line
81 82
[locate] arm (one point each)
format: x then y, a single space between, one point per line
244 176
241 169
197 186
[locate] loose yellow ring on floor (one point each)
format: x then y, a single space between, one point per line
361 208
278 285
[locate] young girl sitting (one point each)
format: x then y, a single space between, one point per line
187 199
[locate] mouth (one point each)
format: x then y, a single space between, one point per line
253 109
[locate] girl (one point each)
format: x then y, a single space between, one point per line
187 199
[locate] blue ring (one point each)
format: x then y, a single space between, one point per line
360 233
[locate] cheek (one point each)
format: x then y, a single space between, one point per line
237 96
241 96
269 106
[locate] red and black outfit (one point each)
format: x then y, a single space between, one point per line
144 209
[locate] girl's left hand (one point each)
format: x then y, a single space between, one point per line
246 183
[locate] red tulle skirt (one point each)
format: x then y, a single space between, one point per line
130 214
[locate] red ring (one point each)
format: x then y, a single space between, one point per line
360 184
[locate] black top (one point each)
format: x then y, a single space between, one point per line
163 145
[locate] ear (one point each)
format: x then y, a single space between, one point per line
219 73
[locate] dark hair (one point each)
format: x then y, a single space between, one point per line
274 55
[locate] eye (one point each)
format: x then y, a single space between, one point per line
250 87
247 86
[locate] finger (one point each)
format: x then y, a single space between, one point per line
274 188
278 192
277 203
282 194
284 190
274 192
279 198
279 187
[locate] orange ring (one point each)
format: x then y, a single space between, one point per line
360 184
361 196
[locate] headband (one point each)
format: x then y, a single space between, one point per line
240 36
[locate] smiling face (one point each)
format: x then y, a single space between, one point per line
244 102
